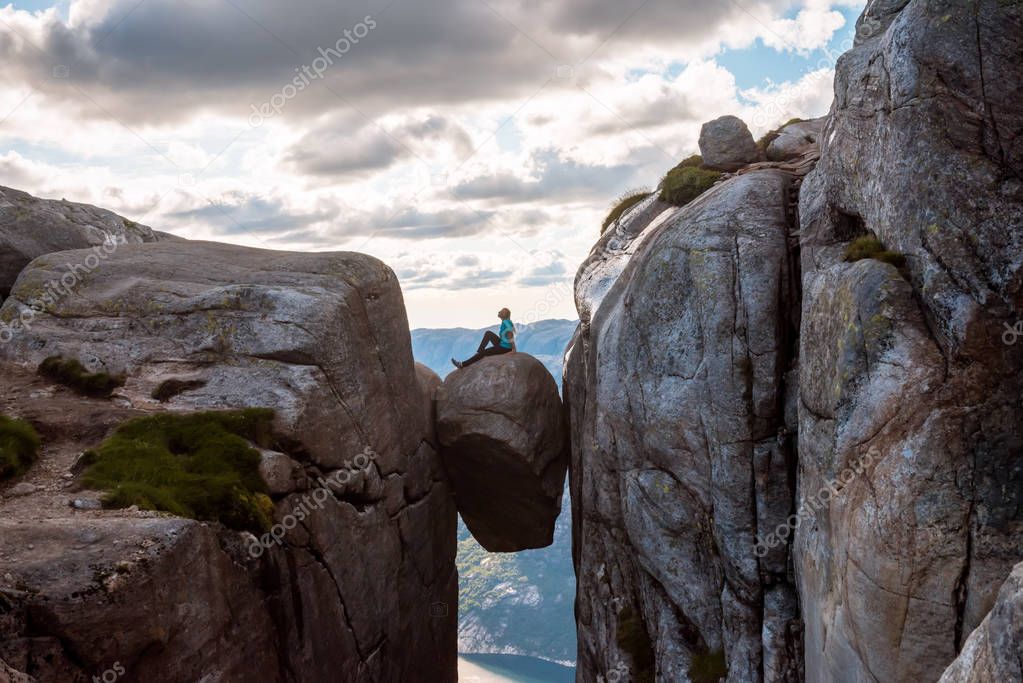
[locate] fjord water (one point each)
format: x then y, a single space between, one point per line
511 669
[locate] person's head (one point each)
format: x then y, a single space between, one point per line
504 314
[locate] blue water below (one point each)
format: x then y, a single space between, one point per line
511 669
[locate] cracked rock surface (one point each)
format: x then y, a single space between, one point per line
503 439
909 369
31 227
363 586
993 651
676 385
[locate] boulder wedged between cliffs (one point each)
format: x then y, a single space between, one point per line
504 444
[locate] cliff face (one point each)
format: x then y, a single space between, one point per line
770 435
676 384
361 585
909 370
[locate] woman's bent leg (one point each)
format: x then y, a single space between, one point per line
488 338
493 351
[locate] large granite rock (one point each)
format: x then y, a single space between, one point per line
503 439
31 227
362 585
677 384
159 597
910 399
794 140
726 144
9 675
994 651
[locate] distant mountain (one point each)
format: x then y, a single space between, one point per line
512 603
546 340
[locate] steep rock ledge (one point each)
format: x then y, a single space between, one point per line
363 584
678 388
907 373
907 513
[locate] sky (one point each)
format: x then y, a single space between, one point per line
474 146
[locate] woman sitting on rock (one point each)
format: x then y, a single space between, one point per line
505 343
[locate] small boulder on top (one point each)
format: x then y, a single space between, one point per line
504 443
726 144
794 140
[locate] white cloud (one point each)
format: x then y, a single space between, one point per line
446 144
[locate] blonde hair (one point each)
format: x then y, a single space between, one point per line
504 314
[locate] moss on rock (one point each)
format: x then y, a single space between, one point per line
625 203
684 183
19 446
72 374
170 388
870 247
632 637
201 466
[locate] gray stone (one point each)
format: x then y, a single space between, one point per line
321 338
674 385
21 489
992 654
87 591
726 144
31 227
906 387
429 381
504 444
794 140
87 503
281 474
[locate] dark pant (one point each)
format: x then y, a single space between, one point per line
482 352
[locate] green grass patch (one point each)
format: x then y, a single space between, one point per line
870 247
72 374
626 202
765 142
684 183
19 446
772 135
199 465
170 388
708 667
632 637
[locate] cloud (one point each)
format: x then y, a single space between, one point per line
468 144
236 213
343 148
164 60
460 271
550 177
